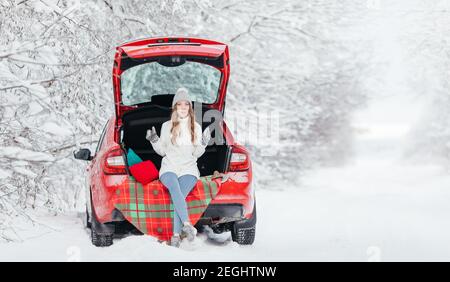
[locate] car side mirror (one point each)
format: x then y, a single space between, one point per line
83 154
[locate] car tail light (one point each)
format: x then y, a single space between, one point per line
114 162
239 159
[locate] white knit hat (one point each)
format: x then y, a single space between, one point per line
181 94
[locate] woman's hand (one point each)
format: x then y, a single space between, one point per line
206 136
151 135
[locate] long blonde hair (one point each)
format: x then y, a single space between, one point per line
175 130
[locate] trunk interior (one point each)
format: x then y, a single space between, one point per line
134 129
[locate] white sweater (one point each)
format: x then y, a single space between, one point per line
180 158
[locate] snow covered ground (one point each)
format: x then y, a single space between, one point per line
374 209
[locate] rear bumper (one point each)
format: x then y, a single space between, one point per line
224 210
236 193
215 213
220 213
234 201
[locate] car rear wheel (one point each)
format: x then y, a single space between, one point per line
102 234
101 240
243 231
100 237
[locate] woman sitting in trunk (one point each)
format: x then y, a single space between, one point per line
181 144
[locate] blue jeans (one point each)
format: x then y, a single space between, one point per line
179 188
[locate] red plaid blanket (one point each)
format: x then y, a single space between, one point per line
149 207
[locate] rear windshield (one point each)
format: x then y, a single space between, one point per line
141 82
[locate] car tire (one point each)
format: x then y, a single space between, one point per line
102 234
243 231
101 240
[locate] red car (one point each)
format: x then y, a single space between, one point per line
146 74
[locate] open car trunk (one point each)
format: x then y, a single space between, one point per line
134 130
